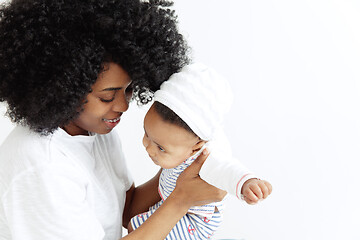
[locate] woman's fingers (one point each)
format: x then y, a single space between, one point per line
191 188
194 168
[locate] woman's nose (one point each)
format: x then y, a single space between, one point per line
121 102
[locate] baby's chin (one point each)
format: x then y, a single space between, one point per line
170 166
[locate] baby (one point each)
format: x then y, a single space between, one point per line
185 119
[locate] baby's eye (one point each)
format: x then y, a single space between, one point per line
161 149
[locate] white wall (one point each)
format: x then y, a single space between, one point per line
294 66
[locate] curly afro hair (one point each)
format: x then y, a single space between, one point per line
51 52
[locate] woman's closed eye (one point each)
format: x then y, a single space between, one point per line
107 100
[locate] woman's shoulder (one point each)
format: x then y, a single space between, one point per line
25 150
23 141
22 152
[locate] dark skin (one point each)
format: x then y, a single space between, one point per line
135 197
106 103
103 110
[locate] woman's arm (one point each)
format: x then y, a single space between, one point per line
190 191
139 199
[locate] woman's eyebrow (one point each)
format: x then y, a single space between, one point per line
111 89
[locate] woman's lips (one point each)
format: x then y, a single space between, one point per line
111 123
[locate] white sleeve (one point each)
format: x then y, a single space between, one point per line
50 204
222 170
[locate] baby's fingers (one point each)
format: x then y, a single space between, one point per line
269 186
264 190
250 197
256 189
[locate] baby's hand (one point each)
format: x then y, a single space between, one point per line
255 189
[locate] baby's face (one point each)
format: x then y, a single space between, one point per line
167 144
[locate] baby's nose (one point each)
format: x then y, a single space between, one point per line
145 141
149 150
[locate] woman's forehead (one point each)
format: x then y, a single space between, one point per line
114 77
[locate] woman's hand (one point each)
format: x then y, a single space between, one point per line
255 190
191 190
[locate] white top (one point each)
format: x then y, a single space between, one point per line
61 186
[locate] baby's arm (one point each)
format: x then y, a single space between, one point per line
225 172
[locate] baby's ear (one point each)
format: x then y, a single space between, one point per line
198 146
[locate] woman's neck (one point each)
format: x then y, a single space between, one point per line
74 130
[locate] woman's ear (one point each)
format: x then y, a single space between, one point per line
198 146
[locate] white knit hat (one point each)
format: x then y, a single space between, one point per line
199 96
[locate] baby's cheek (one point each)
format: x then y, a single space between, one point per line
168 162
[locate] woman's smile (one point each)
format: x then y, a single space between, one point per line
111 123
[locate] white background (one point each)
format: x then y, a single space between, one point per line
294 68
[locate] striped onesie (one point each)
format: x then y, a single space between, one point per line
199 223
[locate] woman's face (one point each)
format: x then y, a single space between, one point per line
106 103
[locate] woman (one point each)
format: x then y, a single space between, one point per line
68 70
